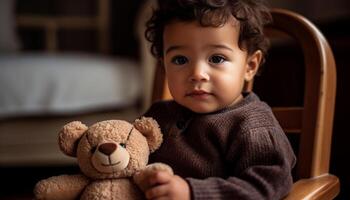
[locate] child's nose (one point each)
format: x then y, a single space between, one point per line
199 73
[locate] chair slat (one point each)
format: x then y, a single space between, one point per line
290 118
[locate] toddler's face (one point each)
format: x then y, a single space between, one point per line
205 67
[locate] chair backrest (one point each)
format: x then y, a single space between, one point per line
313 122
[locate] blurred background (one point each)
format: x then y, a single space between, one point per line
64 60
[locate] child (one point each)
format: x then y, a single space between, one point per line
221 143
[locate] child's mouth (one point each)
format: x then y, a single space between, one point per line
198 94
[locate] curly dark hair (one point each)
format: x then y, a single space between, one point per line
252 15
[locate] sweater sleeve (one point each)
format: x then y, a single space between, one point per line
263 160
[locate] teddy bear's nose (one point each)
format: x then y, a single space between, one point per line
107 148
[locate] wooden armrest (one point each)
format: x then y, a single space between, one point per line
326 186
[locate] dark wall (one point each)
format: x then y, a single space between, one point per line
123 37
123 28
338 34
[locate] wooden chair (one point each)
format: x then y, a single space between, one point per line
314 121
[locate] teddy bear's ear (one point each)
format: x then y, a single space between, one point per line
150 129
69 136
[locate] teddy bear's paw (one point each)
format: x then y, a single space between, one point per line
159 167
40 189
46 189
62 187
146 124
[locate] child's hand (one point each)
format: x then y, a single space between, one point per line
167 186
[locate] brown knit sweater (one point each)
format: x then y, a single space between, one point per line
239 152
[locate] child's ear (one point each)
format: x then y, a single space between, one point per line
253 64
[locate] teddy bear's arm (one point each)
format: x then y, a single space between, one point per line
142 175
61 187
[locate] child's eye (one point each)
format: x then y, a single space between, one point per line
179 60
216 59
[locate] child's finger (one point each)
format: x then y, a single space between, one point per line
160 177
157 192
162 198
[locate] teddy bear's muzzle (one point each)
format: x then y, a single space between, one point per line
110 157
107 148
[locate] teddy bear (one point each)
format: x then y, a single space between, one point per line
112 156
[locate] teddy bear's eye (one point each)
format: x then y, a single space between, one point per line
93 149
123 145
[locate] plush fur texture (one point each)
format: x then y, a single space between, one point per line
110 154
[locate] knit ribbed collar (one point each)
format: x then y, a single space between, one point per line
247 98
